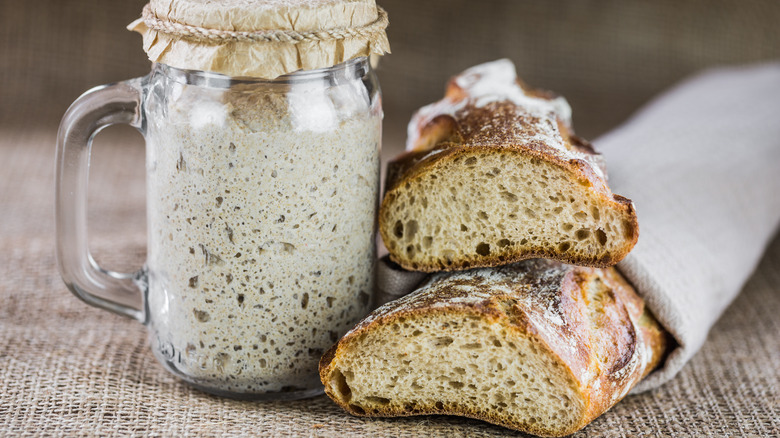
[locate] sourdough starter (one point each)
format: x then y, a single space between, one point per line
262 251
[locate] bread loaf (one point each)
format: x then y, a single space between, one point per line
495 175
536 346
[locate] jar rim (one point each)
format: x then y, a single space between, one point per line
358 65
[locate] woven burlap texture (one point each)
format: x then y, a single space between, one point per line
69 369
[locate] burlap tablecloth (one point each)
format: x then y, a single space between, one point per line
69 369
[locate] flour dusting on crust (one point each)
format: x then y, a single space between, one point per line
534 285
491 107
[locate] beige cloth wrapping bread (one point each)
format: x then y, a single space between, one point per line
702 165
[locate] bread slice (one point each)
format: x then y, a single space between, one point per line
536 346
494 175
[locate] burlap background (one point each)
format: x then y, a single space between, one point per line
68 369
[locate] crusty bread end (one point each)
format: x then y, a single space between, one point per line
494 175
536 346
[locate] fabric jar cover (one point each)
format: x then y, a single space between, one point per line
261 38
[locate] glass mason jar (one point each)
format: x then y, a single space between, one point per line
261 204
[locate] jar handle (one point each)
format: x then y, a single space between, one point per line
121 293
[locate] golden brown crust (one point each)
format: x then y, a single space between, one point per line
590 320
501 127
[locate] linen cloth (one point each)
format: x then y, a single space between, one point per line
702 165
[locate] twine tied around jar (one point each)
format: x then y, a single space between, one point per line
268 36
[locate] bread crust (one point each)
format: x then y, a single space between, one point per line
606 344
461 125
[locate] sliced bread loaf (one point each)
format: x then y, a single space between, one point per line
494 175
537 346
